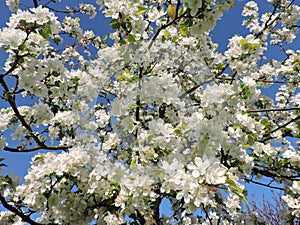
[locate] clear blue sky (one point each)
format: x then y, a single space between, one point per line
226 28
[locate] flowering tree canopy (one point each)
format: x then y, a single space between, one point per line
152 111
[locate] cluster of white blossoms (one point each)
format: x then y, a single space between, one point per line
13 4
293 199
148 113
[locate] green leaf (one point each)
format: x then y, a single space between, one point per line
235 126
22 47
250 140
264 122
39 158
23 22
177 130
104 37
188 22
243 42
121 77
236 190
115 24
132 163
45 31
57 83
122 42
43 139
131 38
127 70
141 10
75 80
184 31
254 46
245 146
167 34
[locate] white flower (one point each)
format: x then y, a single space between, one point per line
216 174
20 131
102 117
88 9
199 167
249 81
12 38
296 187
3 143
13 4
42 15
194 5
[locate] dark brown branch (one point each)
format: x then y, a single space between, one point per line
276 81
267 173
17 113
35 3
262 184
273 110
14 65
206 214
164 27
267 24
269 20
68 11
11 101
263 81
18 212
195 87
204 82
53 148
278 128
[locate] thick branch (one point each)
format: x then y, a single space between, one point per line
18 212
11 101
35 3
54 148
17 113
267 173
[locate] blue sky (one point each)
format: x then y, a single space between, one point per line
226 28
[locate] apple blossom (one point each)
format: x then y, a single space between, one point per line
151 112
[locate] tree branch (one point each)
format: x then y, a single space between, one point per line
278 128
164 27
204 82
18 212
206 214
273 110
54 148
262 184
267 173
35 3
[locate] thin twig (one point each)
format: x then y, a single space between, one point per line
279 127
164 27
262 184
